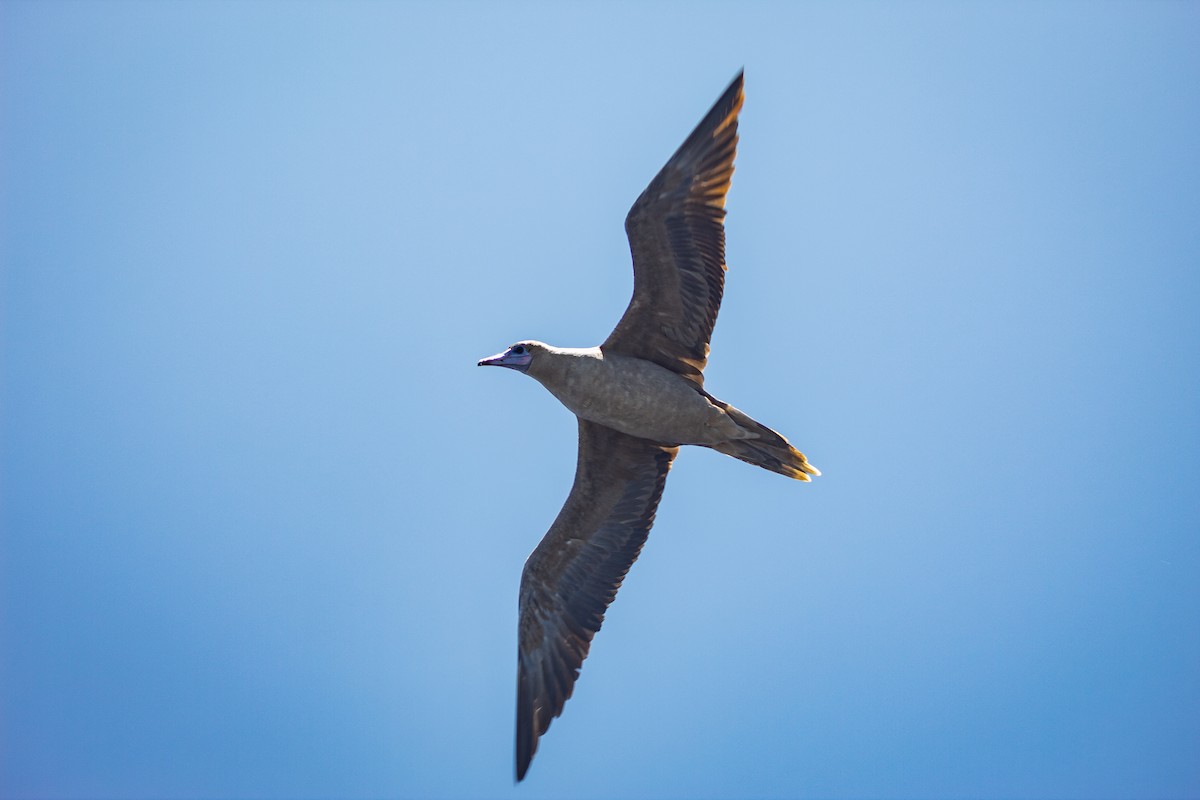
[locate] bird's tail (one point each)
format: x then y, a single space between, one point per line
764 448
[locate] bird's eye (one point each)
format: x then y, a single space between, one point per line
519 350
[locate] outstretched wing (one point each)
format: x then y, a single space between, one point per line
575 572
677 234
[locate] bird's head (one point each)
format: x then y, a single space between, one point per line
517 357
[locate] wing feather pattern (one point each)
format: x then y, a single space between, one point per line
676 232
574 573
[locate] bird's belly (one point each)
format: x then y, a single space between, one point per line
649 402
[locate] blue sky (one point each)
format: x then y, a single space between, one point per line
263 519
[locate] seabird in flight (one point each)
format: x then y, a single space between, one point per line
638 397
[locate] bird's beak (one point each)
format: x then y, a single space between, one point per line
508 359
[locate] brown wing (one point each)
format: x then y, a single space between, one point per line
677 235
575 572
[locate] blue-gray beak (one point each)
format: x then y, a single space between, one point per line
508 358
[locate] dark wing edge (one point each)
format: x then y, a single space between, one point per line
676 231
573 575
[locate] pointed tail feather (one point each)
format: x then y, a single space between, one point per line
766 448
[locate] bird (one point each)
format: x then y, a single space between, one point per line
638 397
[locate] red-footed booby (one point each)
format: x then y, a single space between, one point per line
638 397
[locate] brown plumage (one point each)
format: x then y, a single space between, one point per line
638 397
573 575
676 232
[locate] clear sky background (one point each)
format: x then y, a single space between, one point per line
264 519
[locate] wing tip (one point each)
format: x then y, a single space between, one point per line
716 134
527 734
731 103
738 84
